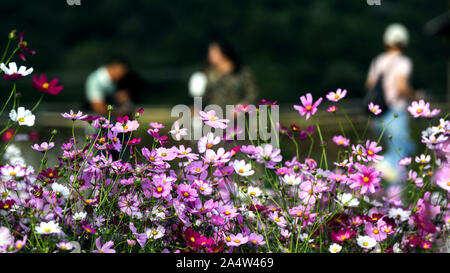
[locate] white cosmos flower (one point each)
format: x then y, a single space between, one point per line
58 188
399 214
366 242
254 191
242 168
155 233
22 116
348 200
48 228
291 179
335 248
79 216
12 69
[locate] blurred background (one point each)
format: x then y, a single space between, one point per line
292 46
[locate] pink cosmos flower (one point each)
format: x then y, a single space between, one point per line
237 240
212 120
418 109
125 125
309 108
128 204
65 245
413 176
336 96
443 177
341 141
332 109
374 108
256 239
71 115
366 179
269 155
43 147
178 132
277 219
186 192
106 248
372 149
207 142
405 161
161 188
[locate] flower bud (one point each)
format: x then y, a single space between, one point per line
12 34
54 132
110 108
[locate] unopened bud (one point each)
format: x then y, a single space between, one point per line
110 108
12 34
54 132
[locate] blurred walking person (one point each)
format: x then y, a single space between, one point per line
390 72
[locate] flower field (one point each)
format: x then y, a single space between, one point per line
113 193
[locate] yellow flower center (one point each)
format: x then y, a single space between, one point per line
186 194
370 152
45 85
366 179
63 247
237 241
228 239
336 96
21 119
277 219
419 111
209 145
241 170
376 231
12 174
155 232
308 108
164 154
47 230
159 189
253 193
365 244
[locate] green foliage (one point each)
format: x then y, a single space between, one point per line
293 46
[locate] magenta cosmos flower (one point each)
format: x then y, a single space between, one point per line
42 84
309 108
367 178
371 150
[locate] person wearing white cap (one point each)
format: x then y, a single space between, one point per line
390 72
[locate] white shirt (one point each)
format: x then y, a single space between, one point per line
99 85
393 66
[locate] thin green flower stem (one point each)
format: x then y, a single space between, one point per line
43 157
6 50
351 123
274 128
310 146
296 147
12 55
13 92
38 103
324 152
367 126
342 128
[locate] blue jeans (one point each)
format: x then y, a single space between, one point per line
400 145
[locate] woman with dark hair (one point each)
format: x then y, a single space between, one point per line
224 81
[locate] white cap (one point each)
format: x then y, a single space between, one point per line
396 34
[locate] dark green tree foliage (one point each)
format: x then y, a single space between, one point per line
293 46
